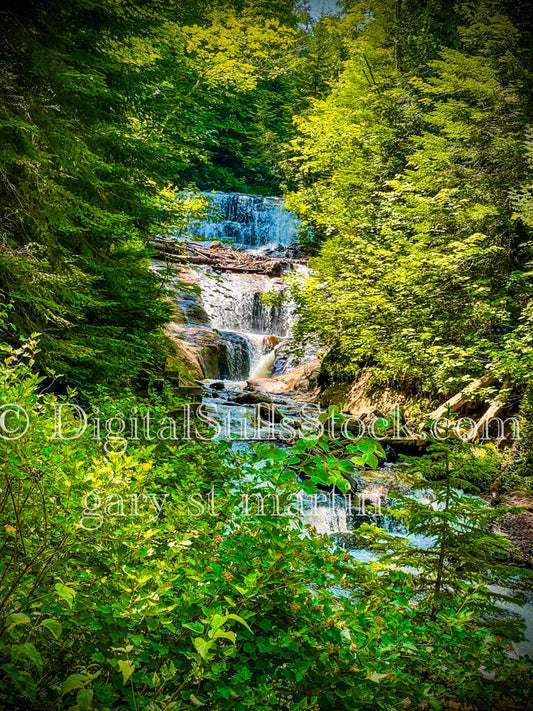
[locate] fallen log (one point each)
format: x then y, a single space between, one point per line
221 258
455 402
188 259
492 411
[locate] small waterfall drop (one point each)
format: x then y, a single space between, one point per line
265 366
239 352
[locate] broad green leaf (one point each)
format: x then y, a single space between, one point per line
65 592
17 618
232 616
226 635
375 676
74 681
54 626
217 621
84 699
29 650
126 668
202 647
22 680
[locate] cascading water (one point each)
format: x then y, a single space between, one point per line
232 301
238 355
250 220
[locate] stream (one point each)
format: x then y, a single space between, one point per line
255 340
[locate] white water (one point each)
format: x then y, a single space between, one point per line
265 365
233 302
251 220
250 328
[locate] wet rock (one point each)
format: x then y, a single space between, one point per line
276 269
518 527
287 359
269 413
270 342
251 398
200 350
217 385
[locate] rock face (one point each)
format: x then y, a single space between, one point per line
300 380
199 348
518 527
286 359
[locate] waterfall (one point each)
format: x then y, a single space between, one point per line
265 366
251 220
229 304
237 358
233 303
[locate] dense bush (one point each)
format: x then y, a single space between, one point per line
226 611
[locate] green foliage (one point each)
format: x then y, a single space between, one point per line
405 174
458 560
106 107
230 609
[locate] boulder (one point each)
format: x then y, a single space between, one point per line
267 413
361 400
200 349
251 398
275 269
300 380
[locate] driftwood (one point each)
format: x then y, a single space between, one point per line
188 259
221 258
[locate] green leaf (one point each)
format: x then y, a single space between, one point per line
217 621
22 680
226 635
33 655
55 627
196 627
343 485
127 669
202 647
74 681
17 618
370 459
84 699
375 676
232 616
65 592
